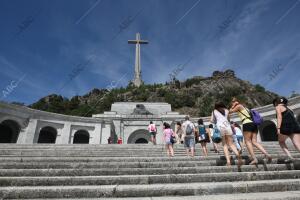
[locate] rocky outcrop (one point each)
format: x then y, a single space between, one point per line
226 74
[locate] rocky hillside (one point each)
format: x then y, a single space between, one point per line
195 96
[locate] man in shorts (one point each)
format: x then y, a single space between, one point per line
152 131
189 136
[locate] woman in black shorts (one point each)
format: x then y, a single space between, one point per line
287 125
250 131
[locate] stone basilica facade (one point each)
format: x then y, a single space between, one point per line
128 120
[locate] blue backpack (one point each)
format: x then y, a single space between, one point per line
216 137
202 132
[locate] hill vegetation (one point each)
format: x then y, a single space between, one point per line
194 96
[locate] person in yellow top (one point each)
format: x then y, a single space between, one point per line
250 131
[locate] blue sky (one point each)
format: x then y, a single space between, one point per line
69 47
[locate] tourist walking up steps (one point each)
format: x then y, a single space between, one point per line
234 137
179 133
169 137
250 130
239 135
287 126
152 131
203 136
220 117
189 136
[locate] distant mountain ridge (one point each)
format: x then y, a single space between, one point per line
194 96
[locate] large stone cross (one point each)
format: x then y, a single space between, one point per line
137 68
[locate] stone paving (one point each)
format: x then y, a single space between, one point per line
141 172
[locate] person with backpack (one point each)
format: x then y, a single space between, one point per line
250 130
220 116
287 126
189 136
203 137
215 138
152 131
169 139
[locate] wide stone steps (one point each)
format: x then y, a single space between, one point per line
210 159
103 154
149 179
149 190
123 164
289 195
141 172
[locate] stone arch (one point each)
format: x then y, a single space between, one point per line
268 131
9 131
139 136
81 137
47 135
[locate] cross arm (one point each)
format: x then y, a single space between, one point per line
143 42
132 41
138 41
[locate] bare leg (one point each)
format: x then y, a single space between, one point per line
296 140
216 147
187 149
187 152
260 147
171 150
204 149
153 140
281 140
226 152
241 142
168 152
248 141
192 152
229 141
232 146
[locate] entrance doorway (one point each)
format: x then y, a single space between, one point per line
81 137
268 131
140 136
9 131
47 135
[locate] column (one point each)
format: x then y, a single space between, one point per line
64 134
159 136
105 133
30 132
96 136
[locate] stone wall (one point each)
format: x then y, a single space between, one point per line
31 122
20 124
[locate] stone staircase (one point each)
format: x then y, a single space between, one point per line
141 172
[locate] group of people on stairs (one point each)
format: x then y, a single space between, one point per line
233 137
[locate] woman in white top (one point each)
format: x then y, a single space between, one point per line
220 117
